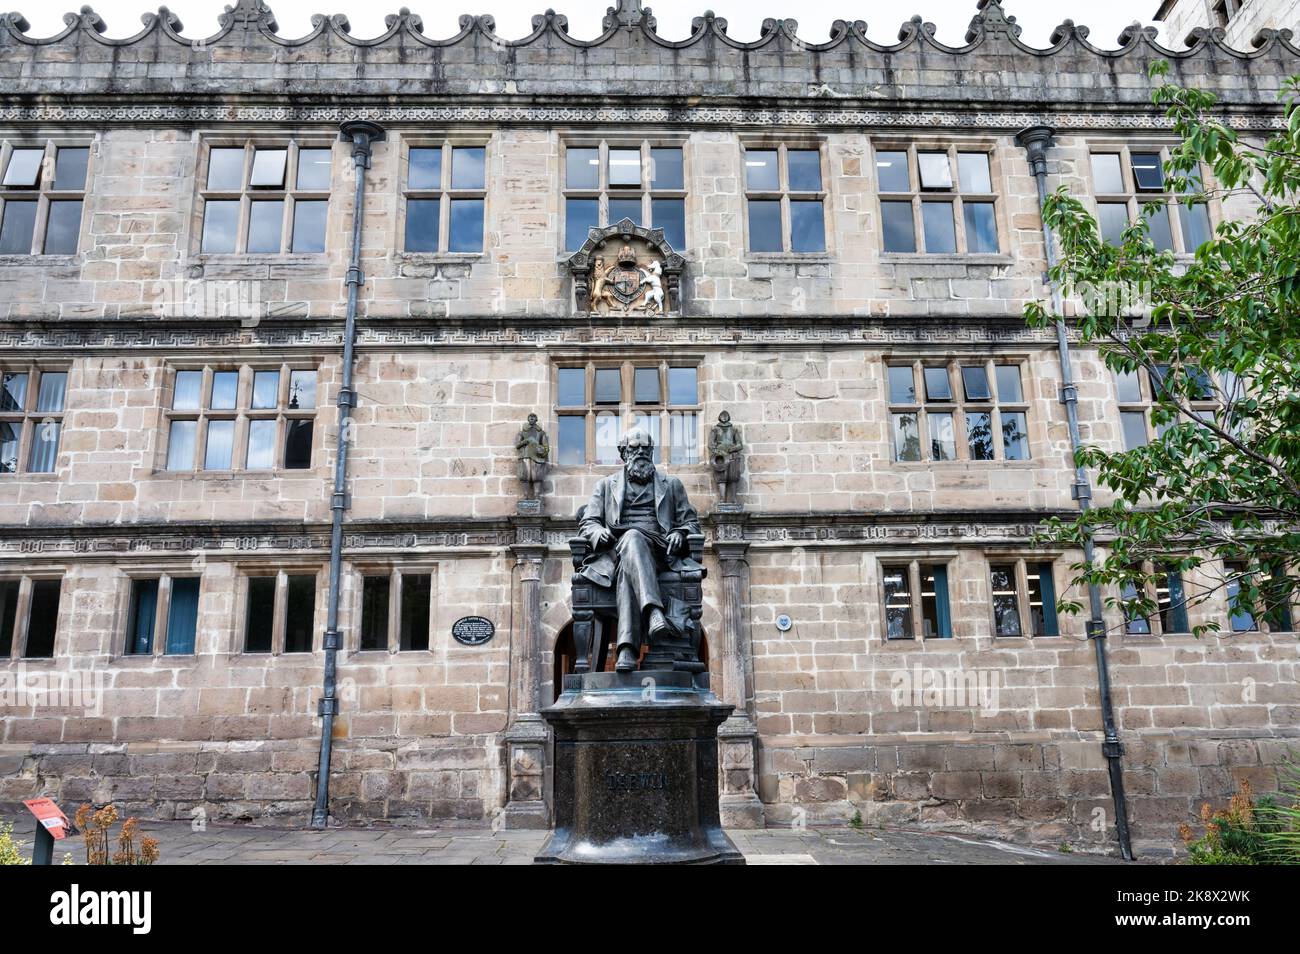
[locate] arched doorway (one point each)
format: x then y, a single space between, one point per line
565 655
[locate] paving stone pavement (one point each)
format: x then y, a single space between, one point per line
249 844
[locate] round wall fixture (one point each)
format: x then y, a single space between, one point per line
783 623
473 630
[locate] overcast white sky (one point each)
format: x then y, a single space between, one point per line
513 17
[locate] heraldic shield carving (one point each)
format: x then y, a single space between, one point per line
624 270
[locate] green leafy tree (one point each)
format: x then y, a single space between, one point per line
1218 490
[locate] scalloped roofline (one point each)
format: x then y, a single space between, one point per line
989 25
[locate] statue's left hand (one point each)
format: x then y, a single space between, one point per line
676 543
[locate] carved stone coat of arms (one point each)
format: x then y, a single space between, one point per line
625 270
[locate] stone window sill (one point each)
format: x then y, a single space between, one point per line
923 258
433 258
41 261
602 469
1191 639
918 645
688 256
234 474
790 258
393 655
23 661
1035 640
918 464
257 263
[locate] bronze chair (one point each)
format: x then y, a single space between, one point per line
595 614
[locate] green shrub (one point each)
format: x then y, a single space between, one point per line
1280 823
9 853
1247 832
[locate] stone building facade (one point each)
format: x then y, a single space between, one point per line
859 231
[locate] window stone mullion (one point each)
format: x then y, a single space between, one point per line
281 611
162 613
22 618
394 610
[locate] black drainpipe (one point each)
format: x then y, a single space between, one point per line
362 135
1036 140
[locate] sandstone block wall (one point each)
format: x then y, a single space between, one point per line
454 351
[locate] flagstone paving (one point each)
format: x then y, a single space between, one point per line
248 844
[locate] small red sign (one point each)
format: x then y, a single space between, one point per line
50 816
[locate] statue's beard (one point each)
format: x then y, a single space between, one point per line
639 470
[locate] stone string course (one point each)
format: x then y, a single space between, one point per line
820 118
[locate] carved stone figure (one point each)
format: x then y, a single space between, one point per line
652 275
637 524
725 456
534 450
598 285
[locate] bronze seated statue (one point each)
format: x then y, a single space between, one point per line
637 568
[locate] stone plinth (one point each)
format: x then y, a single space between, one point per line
636 771
740 806
526 766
